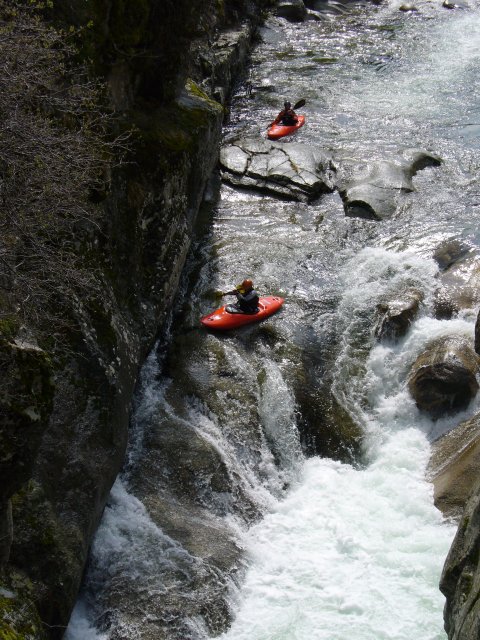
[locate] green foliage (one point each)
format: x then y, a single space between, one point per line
19 619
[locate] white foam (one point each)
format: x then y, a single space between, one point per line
350 554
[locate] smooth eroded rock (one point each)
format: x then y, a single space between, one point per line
453 467
292 171
459 286
291 10
370 189
443 378
396 316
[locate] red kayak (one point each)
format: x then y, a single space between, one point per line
222 320
277 131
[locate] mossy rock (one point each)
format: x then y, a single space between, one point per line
172 132
49 549
19 618
26 400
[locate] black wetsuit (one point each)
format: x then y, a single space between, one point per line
287 117
247 302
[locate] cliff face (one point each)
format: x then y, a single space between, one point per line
66 410
461 576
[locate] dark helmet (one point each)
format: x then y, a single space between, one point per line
247 284
287 105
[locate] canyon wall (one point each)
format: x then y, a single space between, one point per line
169 68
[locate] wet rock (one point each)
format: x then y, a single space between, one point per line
314 15
265 86
443 378
460 581
448 253
446 4
407 8
459 286
191 480
397 315
6 531
293 171
326 428
453 467
291 10
371 189
477 334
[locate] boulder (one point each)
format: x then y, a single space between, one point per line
296 171
370 189
453 467
449 253
291 10
443 378
477 334
290 171
459 286
396 316
460 581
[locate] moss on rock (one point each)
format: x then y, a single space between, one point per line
19 619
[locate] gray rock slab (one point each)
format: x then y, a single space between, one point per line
371 189
294 171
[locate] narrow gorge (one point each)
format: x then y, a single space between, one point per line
313 476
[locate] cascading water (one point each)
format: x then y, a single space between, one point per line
350 544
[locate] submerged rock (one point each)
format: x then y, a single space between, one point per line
293 171
443 378
453 467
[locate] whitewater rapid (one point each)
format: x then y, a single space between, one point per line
357 552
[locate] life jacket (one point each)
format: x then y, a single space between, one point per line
248 302
287 117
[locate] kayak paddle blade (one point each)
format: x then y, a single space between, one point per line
299 104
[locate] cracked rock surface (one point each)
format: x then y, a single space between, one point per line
296 171
293 171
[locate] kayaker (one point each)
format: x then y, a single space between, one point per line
287 116
247 298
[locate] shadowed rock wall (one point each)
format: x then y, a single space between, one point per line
75 410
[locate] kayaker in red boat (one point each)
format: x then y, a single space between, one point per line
247 298
287 116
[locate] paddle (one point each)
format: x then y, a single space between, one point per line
299 104
302 102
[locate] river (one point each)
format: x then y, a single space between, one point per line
339 541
